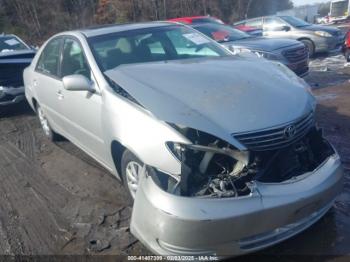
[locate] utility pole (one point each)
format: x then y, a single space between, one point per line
205 6
248 8
164 8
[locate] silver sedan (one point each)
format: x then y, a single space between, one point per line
220 154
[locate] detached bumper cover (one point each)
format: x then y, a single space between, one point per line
329 44
169 224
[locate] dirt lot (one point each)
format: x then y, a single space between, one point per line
54 199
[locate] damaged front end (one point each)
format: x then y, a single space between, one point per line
211 167
229 202
12 65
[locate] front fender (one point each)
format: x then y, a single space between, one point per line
140 132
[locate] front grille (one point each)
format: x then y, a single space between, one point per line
302 69
338 33
296 55
277 137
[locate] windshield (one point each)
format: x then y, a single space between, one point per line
221 33
11 43
296 22
163 43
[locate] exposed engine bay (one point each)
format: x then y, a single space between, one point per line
213 168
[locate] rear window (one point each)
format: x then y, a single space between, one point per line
173 42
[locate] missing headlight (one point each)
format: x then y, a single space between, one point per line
210 167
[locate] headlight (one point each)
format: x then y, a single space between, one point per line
260 54
180 149
323 34
266 55
176 149
238 50
214 170
1 91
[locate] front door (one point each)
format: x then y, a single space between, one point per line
276 28
82 109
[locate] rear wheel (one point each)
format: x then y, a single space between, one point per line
310 47
49 133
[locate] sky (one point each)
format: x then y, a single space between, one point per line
305 2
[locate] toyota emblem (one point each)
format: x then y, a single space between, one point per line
290 132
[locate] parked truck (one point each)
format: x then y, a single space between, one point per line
339 10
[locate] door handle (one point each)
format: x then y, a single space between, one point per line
60 96
35 83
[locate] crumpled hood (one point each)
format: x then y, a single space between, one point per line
263 44
217 96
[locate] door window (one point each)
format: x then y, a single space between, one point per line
73 60
256 23
273 24
49 59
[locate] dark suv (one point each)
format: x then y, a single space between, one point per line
289 52
15 56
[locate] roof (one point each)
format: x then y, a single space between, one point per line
188 19
115 28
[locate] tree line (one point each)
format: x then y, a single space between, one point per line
36 20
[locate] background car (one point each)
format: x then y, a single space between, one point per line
250 30
197 20
315 37
206 143
291 53
15 55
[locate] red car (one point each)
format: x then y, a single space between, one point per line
197 20
250 30
346 48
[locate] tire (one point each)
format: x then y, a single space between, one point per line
347 55
310 47
49 133
131 167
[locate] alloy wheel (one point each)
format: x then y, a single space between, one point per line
133 173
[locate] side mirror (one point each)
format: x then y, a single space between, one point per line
77 83
286 28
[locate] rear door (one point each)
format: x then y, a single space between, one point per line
48 85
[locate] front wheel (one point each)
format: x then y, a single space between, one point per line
49 133
132 169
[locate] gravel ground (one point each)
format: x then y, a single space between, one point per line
54 199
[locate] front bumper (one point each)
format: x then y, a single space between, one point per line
300 68
11 95
329 44
173 225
